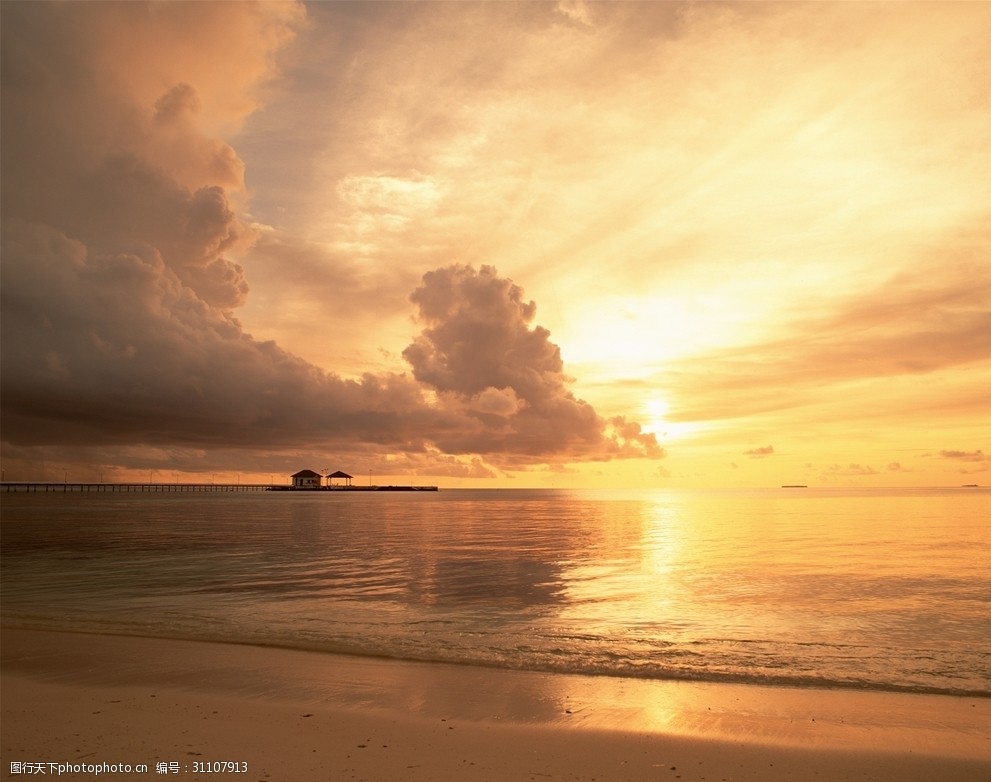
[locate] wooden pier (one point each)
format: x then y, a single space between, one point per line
35 486
29 486
354 488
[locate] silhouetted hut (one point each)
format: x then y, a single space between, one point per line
306 479
339 474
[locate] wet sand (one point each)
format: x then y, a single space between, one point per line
92 701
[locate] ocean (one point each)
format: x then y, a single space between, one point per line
875 589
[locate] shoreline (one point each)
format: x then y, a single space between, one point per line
86 698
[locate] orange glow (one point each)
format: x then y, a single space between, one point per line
758 231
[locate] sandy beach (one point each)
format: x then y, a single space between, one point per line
104 703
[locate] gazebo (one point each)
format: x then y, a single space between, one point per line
339 474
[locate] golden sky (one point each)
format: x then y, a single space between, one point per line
498 244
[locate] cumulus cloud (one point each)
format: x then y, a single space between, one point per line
121 238
113 151
478 337
760 453
479 353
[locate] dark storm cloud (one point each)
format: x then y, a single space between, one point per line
119 246
116 349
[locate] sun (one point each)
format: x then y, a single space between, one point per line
657 414
657 410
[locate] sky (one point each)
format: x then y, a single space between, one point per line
522 244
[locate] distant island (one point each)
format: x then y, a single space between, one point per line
794 486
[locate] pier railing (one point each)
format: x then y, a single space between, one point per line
65 486
29 486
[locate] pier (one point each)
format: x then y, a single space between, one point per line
31 486
355 488
41 486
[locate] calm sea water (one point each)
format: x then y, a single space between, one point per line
875 589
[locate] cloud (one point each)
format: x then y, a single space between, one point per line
760 453
630 167
478 352
116 349
970 462
966 456
330 306
934 318
121 239
576 10
180 266
106 129
849 470
477 336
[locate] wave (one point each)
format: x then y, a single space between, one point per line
748 662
